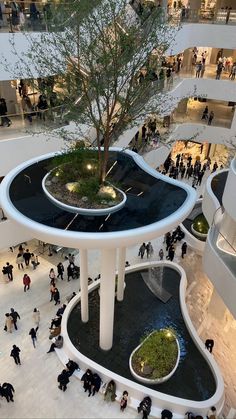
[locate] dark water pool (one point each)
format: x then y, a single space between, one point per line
149 199
139 313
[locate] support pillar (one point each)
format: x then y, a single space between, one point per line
121 274
84 284
107 298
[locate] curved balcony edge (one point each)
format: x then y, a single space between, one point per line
218 271
210 203
229 195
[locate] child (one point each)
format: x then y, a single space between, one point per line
124 400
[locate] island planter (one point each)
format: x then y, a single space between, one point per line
83 211
153 381
197 233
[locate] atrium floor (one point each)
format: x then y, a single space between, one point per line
37 394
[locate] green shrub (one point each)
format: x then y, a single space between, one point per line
89 188
159 352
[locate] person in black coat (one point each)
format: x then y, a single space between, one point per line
71 366
60 270
63 380
70 271
15 353
96 384
145 407
87 380
7 391
14 316
184 249
56 296
166 414
8 270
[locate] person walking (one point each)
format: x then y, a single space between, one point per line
15 353
33 335
142 250
161 254
211 117
198 69
184 249
20 260
14 316
9 269
36 318
26 282
56 296
209 344
205 113
27 257
8 323
63 380
7 391
60 270
149 250
219 70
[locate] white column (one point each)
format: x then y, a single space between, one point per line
121 274
84 284
107 298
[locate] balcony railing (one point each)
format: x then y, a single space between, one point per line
25 17
185 14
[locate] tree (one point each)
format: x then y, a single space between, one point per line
100 52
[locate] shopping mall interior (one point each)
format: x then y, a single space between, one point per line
118 209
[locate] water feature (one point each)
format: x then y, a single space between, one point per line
146 194
139 314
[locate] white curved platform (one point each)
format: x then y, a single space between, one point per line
109 240
137 391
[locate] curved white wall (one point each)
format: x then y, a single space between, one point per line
220 275
9 63
209 35
12 233
189 35
156 157
229 196
210 202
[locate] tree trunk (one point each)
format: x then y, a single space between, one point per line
104 159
